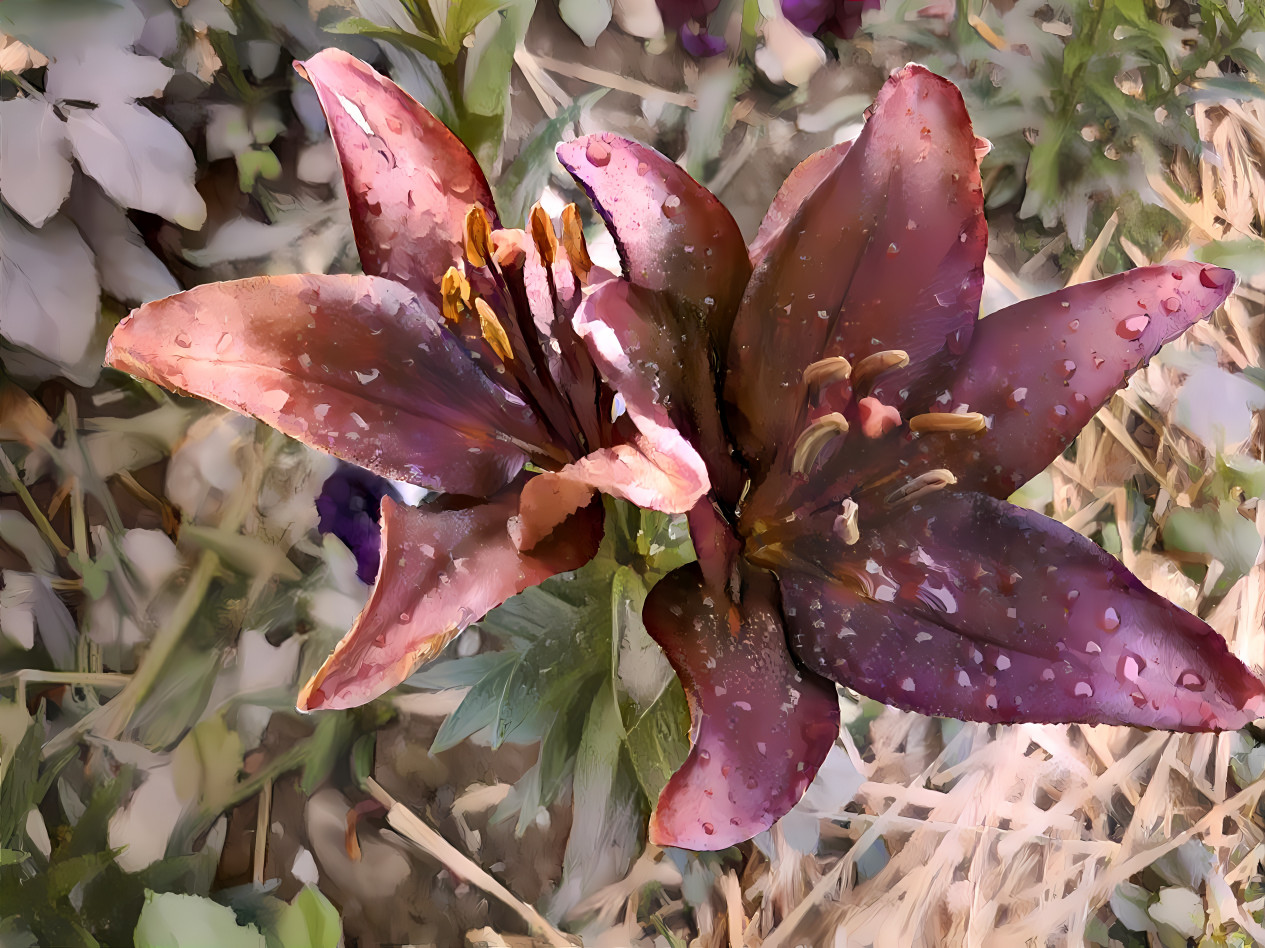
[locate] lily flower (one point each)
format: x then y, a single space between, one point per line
456 363
881 426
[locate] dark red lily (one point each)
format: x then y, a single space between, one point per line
457 361
882 427
858 510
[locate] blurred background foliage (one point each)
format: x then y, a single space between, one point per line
165 588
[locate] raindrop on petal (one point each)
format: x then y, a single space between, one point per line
597 152
1191 681
1083 689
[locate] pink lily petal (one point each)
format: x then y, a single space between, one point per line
651 357
885 253
410 181
1040 369
673 235
355 366
441 570
969 607
761 726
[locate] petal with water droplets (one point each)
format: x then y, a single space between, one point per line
672 234
761 726
442 569
885 253
968 607
355 366
410 181
1040 369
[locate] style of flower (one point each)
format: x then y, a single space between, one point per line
460 362
839 427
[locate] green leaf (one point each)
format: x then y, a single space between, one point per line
429 46
465 15
658 741
169 920
309 921
478 709
521 183
324 748
11 857
362 758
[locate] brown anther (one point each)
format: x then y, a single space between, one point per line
875 364
813 440
454 292
542 234
478 236
920 486
573 242
493 331
845 526
825 372
969 422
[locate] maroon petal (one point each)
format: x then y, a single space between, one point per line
761 726
441 570
657 364
1040 369
789 201
356 366
672 234
968 607
410 181
885 253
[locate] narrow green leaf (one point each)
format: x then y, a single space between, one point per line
429 46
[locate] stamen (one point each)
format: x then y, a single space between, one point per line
969 422
846 523
542 233
454 291
875 364
573 242
920 486
827 371
478 236
493 331
813 440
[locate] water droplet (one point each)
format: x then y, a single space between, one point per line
1092 648
892 249
404 617
1213 277
183 340
1110 620
671 206
991 702
1073 595
911 224
1130 666
709 300
1099 362
642 168
704 754
1132 326
964 679
1083 689
1172 304
1177 274
1047 674
1002 663
907 685
1017 396
597 152
395 125
1191 681
1060 411
752 783
1067 367
226 340
1074 325
708 829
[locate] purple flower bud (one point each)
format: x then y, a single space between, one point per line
350 505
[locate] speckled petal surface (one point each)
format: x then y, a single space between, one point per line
410 181
355 366
789 200
672 234
1040 369
761 726
968 607
886 253
442 569
658 364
